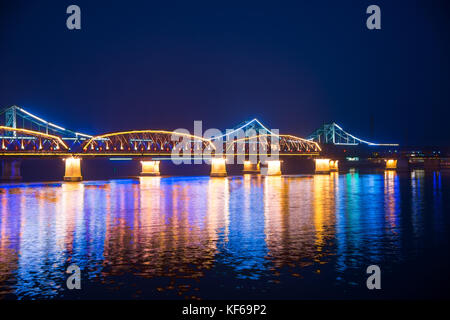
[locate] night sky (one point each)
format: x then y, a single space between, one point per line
294 65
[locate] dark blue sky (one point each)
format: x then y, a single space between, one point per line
294 65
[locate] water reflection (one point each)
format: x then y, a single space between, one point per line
197 236
417 201
366 209
324 218
437 205
390 188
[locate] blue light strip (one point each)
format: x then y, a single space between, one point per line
243 126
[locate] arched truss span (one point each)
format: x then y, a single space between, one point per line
16 139
287 144
147 141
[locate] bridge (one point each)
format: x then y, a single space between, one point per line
24 135
334 134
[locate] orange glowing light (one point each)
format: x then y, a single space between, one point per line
36 134
146 131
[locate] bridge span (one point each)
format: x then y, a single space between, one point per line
24 135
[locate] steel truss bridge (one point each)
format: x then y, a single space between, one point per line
23 134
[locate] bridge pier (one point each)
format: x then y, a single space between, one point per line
150 168
250 167
73 169
391 164
397 164
218 167
326 165
11 170
271 168
334 167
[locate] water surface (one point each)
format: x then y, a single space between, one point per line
292 237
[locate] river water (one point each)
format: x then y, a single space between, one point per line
240 237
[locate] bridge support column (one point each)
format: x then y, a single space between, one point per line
11 170
334 165
391 164
401 164
250 167
218 167
323 165
150 168
271 168
73 169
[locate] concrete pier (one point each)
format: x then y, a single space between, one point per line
401 164
391 164
326 165
334 165
271 168
11 170
218 168
250 167
150 168
73 169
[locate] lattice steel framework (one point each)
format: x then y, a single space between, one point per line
261 138
263 144
24 131
246 126
23 140
334 134
147 141
16 117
